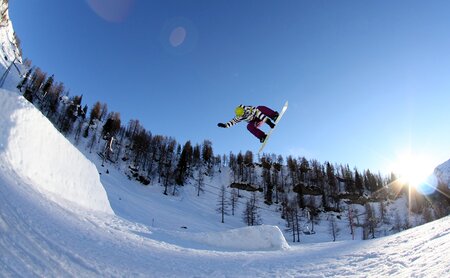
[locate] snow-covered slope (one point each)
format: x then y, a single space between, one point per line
39 238
442 172
41 234
40 156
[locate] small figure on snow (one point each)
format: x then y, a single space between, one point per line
255 116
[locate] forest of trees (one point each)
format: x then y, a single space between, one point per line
299 185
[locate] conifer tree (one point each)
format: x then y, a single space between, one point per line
167 163
233 166
184 163
267 180
208 157
278 177
95 112
332 183
154 156
78 131
112 125
103 111
69 116
37 79
234 200
54 98
251 214
140 143
249 168
196 155
292 218
222 204
48 84
25 80
240 166
359 183
207 153
292 167
200 181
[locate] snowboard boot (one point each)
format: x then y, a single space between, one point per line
263 138
275 117
270 123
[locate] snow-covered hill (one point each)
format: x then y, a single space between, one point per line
34 150
66 228
442 172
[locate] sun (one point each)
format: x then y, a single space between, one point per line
413 169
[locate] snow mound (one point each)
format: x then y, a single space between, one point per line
43 158
253 238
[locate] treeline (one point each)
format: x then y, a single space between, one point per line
329 182
303 188
161 159
52 99
306 189
150 157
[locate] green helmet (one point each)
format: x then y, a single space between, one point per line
239 111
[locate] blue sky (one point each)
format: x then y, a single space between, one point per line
366 81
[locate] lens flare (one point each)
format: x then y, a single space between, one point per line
111 10
428 186
177 36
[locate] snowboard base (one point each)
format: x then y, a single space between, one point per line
276 124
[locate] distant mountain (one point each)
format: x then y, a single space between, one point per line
442 172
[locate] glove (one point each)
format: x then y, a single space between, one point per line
221 125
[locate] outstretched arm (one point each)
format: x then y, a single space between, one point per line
230 123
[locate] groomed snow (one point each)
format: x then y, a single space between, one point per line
39 238
257 238
45 159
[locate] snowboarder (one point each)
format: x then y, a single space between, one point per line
255 116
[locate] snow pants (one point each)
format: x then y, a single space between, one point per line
253 125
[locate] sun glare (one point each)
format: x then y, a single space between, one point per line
413 169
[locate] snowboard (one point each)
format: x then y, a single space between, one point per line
272 129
